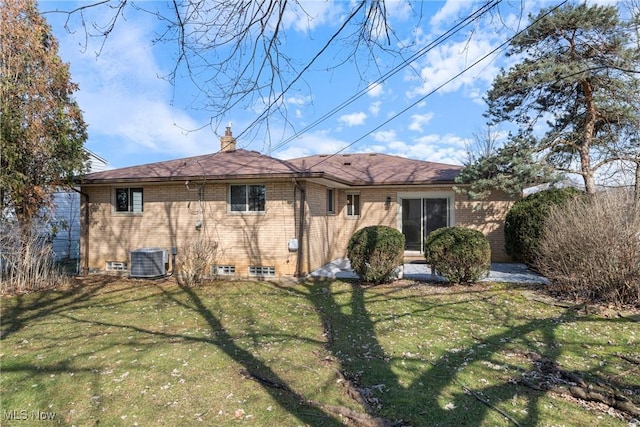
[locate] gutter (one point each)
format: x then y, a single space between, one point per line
300 227
215 178
85 232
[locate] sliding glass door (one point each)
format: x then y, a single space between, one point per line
420 217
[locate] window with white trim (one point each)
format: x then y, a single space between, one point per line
247 198
129 200
353 205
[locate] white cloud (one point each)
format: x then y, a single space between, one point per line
449 13
447 61
374 90
384 135
298 100
449 149
353 119
419 120
399 10
374 108
311 143
308 15
124 102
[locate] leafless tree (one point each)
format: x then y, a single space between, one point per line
234 52
485 143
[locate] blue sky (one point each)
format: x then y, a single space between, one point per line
136 117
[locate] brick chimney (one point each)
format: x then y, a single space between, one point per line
227 142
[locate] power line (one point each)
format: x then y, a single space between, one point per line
439 40
395 116
486 7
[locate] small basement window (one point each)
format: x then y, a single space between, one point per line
116 266
261 271
224 270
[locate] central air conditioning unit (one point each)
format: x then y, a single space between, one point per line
148 262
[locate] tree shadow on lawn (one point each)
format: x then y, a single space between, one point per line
354 343
29 307
64 304
305 410
351 332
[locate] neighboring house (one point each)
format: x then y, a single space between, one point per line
66 216
272 217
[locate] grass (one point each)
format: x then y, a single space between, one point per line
123 352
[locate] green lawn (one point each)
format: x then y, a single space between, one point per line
124 352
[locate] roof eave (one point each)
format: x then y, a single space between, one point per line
172 179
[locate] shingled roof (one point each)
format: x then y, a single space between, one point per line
377 169
350 169
224 165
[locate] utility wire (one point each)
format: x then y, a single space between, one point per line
486 7
395 116
407 62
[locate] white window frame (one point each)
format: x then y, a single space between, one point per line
224 270
351 199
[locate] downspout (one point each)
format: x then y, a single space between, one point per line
298 273
85 232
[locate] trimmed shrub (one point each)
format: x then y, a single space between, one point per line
525 220
461 255
375 252
590 248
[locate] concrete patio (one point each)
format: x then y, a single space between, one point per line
500 272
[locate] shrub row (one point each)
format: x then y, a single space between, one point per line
461 255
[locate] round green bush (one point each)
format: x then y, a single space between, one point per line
375 252
461 255
525 221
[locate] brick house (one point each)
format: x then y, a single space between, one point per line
272 217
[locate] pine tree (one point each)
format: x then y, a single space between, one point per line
577 80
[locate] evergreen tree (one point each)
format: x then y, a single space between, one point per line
574 95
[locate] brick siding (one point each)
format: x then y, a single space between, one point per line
261 239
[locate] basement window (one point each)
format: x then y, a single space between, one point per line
224 270
261 271
116 266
